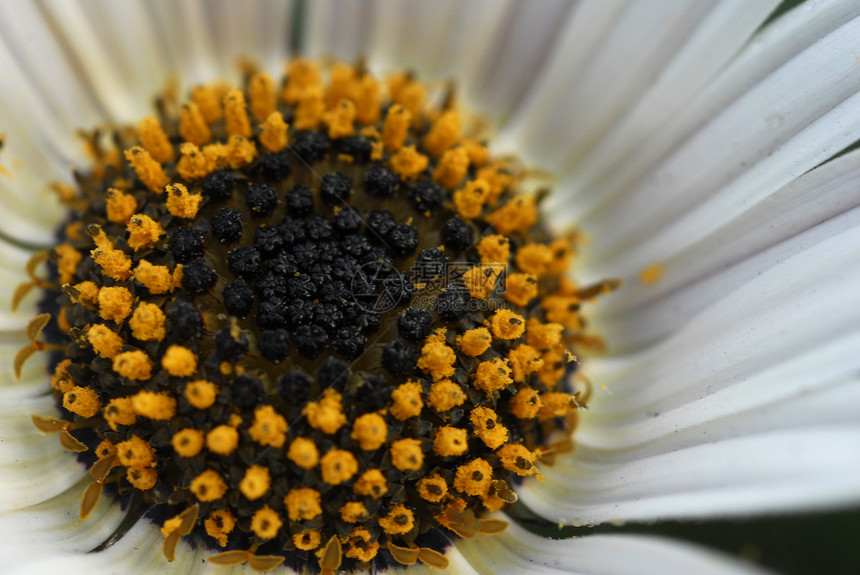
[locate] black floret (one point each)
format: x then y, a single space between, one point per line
244 262
238 298
197 276
415 324
380 182
218 185
227 226
300 201
185 244
457 234
274 344
261 199
335 189
399 357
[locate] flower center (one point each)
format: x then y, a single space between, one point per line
316 323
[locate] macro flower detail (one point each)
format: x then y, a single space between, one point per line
702 153
215 277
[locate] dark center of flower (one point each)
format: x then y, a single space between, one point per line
322 326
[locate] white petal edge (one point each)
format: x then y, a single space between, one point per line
519 551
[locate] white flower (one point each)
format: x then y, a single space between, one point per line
685 134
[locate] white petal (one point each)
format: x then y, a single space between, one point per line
816 206
182 29
774 46
518 551
257 29
616 65
33 466
798 117
338 29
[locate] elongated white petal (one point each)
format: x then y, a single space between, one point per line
518 551
782 128
34 468
520 47
813 208
771 48
258 30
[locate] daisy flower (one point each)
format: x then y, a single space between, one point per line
702 152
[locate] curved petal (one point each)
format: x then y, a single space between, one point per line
518 551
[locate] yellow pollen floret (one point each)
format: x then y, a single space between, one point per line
543 336
61 380
493 375
432 488
266 523
119 411
87 294
337 466
115 303
192 125
533 258
142 478
360 545
396 128
114 263
478 152
406 401
526 403
367 100
196 163
371 483
133 365
208 486
353 511
437 360
153 138
235 115
181 203
222 440
499 178
147 322
450 441
219 525
494 249
273 133
486 427
444 133
469 200
207 101
201 393
240 151
119 206
143 232
179 361
407 92
157 279
303 503
159 406
524 360
475 341
370 431
340 120
506 324
304 453
521 288
480 280
327 413
307 540
255 483
261 89
557 404
147 169
68 261
135 452
406 454
341 77
445 395
105 341
301 74
562 254
408 163
269 427
399 520
311 107
474 478
187 442
517 215
518 459
82 401
452 168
